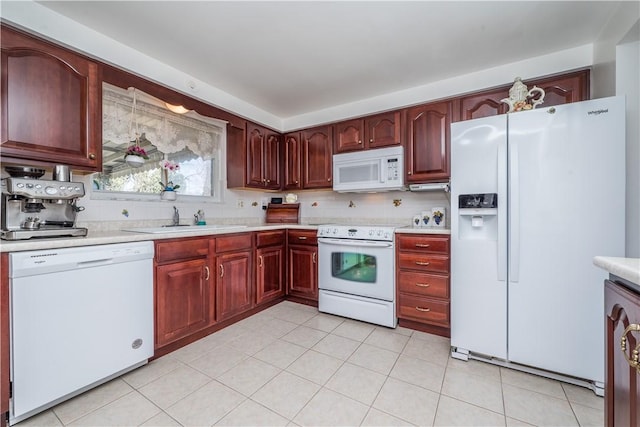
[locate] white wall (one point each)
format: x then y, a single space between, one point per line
628 84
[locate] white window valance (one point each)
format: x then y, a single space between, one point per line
167 131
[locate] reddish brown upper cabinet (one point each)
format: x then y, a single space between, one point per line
317 152
292 162
428 139
349 136
51 110
383 130
622 376
263 158
560 89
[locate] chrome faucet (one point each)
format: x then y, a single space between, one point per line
176 216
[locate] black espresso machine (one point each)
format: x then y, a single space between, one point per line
34 207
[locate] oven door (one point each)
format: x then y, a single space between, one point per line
357 267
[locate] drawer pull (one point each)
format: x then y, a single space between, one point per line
423 309
260 259
313 258
422 263
423 285
206 268
302 238
422 245
221 270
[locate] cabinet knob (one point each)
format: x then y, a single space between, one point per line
296 182
409 173
359 141
92 156
371 140
268 181
328 179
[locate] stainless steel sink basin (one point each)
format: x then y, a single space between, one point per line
181 228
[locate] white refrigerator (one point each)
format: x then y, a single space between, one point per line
535 195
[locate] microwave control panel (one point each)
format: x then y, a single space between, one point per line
393 173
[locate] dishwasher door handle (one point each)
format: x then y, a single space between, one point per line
95 262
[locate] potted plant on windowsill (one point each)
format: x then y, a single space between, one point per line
168 191
135 156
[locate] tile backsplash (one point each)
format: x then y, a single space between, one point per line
245 206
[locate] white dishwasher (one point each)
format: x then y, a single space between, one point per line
79 317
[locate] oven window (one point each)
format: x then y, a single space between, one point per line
354 267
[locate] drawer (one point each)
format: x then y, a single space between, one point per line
269 238
181 249
423 243
420 262
303 237
428 285
423 309
233 242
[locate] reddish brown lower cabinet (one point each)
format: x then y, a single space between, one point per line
622 376
184 289
422 282
182 293
302 277
234 275
270 261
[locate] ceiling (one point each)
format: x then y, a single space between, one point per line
290 58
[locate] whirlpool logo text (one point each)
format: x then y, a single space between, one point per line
597 112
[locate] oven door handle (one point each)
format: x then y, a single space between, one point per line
345 242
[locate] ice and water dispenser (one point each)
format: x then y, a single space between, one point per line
478 216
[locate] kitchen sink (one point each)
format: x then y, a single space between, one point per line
181 228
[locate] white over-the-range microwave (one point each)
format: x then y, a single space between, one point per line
381 169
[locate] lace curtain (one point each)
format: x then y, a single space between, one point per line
167 131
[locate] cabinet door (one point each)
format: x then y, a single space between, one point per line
316 157
572 87
272 165
383 130
51 104
349 136
182 293
622 381
269 273
255 151
292 162
233 286
428 135
303 272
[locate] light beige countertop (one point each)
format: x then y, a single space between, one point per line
626 268
103 237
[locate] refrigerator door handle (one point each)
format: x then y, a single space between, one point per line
514 217
501 256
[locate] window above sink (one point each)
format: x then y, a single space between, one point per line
194 142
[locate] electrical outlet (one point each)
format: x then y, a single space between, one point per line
240 203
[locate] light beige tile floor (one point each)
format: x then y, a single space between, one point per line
291 365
